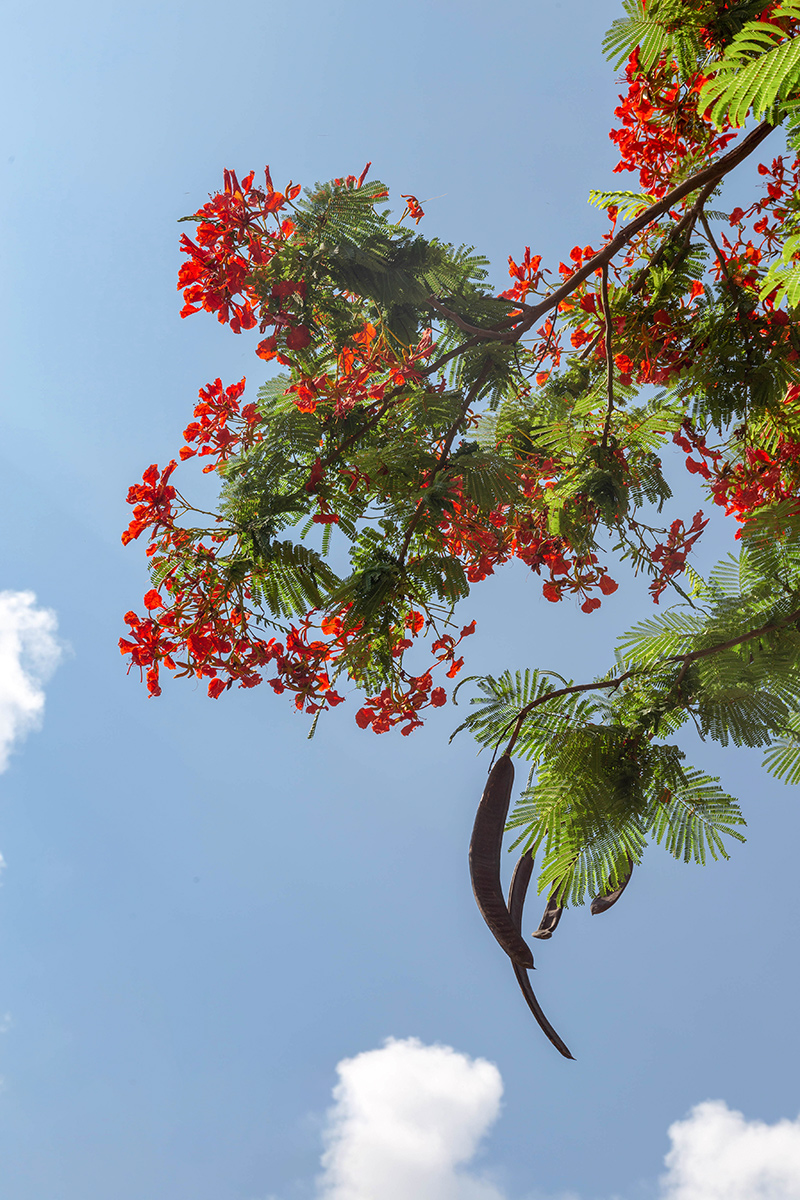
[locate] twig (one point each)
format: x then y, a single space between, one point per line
723 262
684 226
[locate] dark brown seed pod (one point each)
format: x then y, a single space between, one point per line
484 861
519 890
602 903
550 919
516 903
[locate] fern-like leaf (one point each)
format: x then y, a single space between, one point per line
758 70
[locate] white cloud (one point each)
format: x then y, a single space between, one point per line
717 1155
405 1121
408 1120
29 653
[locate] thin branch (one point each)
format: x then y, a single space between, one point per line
465 326
380 412
721 259
609 358
684 659
684 226
709 175
442 459
584 354
454 353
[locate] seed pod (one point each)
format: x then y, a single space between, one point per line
519 889
550 919
484 861
516 903
602 903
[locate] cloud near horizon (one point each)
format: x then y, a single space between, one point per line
405 1121
29 653
719 1155
408 1120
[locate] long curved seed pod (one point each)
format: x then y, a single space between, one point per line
516 902
484 861
602 903
550 919
553 911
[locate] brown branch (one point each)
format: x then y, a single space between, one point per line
512 329
723 262
380 412
709 175
685 226
609 359
442 459
684 659
707 178
465 326
592 345
454 353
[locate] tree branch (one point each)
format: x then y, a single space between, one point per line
442 459
709 175
705 180
609 359
684 659
465 326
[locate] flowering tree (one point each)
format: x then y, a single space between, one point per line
436 430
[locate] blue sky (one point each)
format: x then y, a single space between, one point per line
202 913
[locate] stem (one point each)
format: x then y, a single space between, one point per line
379 413
684 226
723 262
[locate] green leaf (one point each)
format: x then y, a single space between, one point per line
694 815
760 68
630 204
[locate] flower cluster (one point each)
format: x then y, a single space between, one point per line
484 543
403 706
233 236
220 427
153 501
671 555
660 125
369 445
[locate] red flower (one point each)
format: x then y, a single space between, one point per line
415 621
413 208
298 338
153 500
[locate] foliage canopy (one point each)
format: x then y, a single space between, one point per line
423 430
